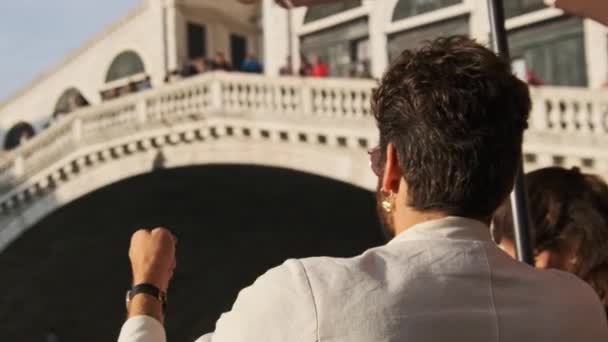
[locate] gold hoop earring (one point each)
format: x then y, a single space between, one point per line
388 201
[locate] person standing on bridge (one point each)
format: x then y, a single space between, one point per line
451 118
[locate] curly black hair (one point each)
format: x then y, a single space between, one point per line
455 114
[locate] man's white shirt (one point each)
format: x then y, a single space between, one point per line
443 280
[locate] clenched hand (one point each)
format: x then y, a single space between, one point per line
152 255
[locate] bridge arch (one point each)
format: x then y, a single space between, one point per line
232 221
83 173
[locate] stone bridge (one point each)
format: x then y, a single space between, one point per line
322 127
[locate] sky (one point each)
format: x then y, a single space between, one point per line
37 34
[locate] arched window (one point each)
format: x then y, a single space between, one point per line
70 100
321 11
127 63
18 134
410 8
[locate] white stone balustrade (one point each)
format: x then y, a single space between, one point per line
312 125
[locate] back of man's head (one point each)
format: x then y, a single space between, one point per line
456 116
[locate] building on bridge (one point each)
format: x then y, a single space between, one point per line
353 36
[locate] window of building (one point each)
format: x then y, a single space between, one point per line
321 11
343 48
197 41
553 51
238 50
126 64
70 100
412 38
410 8
18 134
514 8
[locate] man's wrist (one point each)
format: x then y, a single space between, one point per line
147 305
149 279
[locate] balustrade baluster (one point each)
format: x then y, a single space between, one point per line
306 100
215 93
569 112
19 166
141 109
77 130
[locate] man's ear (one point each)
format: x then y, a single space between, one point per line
392 176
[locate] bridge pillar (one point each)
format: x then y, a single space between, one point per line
596 53
276 38
378 41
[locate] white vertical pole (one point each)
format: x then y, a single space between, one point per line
274 23
172 21
596 52
479 25
378 41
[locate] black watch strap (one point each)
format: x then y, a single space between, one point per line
150 290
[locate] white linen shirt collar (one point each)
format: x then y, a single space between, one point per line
448 228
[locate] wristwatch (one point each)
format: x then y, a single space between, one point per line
148 289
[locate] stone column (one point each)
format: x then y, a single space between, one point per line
596 52
378 42
479 20
172 21
275 32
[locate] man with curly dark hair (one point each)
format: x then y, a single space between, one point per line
451 118
569 212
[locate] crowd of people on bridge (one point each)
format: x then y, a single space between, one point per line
451 118
320 69
201 65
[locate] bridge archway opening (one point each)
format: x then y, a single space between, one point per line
233 222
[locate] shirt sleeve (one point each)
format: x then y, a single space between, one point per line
278 307
142 329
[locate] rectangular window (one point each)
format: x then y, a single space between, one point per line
342 47
553 51
412 38
197 41
321 11
410 8
238 50
514 8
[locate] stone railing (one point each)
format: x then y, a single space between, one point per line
568 126
101 133
570 110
